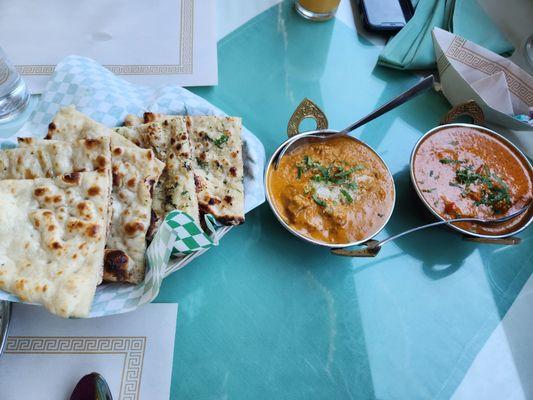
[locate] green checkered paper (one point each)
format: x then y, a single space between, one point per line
186 235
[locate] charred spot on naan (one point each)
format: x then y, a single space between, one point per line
73 178
116 266
154 223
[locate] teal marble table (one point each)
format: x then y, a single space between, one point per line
267 316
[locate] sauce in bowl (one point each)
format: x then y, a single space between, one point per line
463 171
336 191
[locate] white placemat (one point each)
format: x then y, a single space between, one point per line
146 42
45 355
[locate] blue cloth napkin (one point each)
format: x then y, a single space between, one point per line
412 47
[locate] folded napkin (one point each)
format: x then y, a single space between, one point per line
501 88
412 47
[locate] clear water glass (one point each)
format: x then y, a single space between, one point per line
14 96
317 10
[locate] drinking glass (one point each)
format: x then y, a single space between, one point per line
14 96
317 10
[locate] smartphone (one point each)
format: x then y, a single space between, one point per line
385 15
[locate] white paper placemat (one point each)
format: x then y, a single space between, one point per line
146 42
45 355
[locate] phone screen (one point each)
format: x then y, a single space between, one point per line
384 12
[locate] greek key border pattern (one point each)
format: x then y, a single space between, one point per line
457 51
131 347
186 54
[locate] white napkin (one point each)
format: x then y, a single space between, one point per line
146 42
494 90
464 69
501 88
45 355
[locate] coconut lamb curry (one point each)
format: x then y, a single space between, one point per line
466 172
336 191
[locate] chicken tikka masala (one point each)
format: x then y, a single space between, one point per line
336 191
467 172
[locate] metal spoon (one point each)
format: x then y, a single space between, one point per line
92 387
372 248
414 91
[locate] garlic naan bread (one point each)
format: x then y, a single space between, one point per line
217 162
169 140
218 167
52 239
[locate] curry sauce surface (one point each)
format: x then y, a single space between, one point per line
465 172
337 191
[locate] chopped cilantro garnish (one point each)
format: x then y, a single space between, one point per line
447 160
300 171
351 185
494 192
338 173
184 192
221 140
345 193
201 163
318 200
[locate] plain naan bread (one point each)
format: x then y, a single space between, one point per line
37 158
133 180
218 164
52 238
135 172
45 159
169 140
70 124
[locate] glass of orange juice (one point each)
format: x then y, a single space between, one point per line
317 10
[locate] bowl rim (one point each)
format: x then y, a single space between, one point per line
299 234
500 137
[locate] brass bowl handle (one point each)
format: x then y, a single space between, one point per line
470 109
306 109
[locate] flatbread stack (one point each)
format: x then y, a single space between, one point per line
204 150
134 172
80 206
74 210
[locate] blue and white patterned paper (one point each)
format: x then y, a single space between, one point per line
101 95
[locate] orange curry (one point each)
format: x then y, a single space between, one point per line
465 172
337 191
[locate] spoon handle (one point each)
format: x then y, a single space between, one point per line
420 87
418 228
373 247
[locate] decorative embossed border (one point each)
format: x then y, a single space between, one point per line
132 347
457 51
185 65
